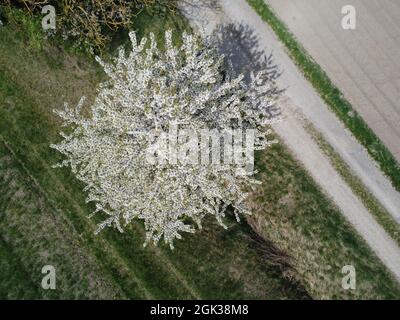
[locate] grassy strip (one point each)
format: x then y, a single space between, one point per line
368 199
331 94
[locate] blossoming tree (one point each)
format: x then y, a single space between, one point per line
146 91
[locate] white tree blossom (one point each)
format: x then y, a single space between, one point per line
146 91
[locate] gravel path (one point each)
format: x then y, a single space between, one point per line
301 97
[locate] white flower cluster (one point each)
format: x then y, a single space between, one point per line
146 91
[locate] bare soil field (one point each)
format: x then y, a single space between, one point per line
363 63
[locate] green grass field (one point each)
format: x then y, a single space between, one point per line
44 217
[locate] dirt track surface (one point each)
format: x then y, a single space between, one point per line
364 63
300 97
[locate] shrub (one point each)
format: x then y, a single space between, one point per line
90 23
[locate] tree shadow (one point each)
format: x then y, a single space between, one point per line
241 47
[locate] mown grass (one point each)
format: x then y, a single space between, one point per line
331 94
45 218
